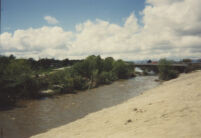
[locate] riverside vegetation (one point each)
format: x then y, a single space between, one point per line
166 71
26 78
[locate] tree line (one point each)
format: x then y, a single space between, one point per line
27 78
21 78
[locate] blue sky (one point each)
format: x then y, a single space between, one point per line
125 29
23 14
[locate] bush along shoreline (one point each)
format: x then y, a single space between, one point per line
30 79
90 73
27 79
166 71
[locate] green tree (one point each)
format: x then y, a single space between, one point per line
17 81
123 70
79 83
166 71
108 64
87 67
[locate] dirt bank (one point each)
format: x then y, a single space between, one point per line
172 110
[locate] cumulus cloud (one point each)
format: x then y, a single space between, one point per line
41 42
170 29
51 20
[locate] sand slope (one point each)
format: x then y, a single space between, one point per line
172 110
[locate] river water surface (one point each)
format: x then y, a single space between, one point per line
38 116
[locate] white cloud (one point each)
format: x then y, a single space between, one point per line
36 41
51 20
170 29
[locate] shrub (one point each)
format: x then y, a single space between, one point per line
16 81
22 78
68 86
105 78
166 71
31 87
57 77
80 83
122 69
108 64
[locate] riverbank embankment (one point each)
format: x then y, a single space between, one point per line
170 110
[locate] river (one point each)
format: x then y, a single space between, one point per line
37 116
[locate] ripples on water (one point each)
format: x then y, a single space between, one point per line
38 116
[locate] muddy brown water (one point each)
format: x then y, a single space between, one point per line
38 116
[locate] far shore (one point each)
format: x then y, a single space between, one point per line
171 110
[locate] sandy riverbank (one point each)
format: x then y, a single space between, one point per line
172 110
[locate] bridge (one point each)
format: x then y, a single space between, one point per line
154 66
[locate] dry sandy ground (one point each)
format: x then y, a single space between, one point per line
172 110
